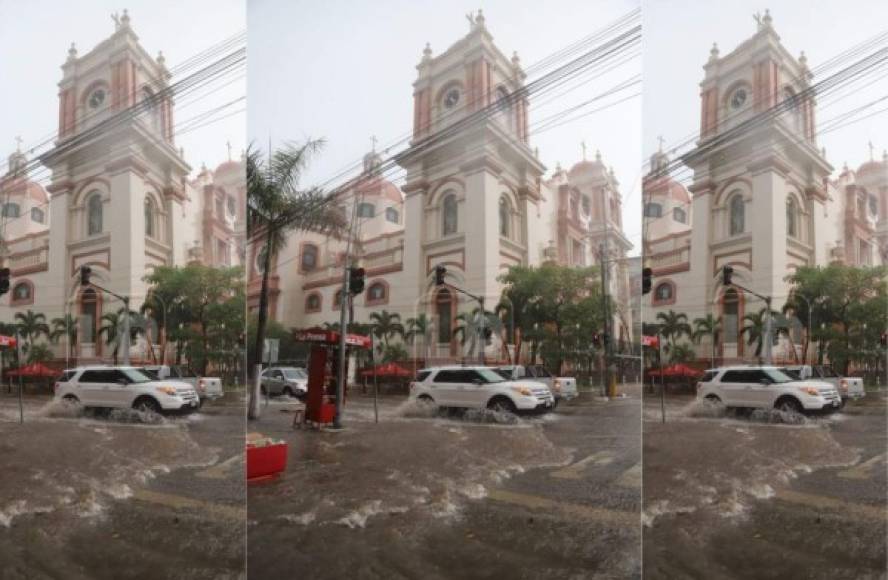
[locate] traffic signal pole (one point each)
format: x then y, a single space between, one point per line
440 272
85 273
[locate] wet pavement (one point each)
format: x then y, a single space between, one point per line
420 496
121 496
764 495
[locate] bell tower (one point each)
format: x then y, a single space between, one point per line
759 179
471 177
117 178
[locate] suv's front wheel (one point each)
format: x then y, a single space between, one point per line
502 405
147 405
789 405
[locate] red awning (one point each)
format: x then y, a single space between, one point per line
387 370
33 370
677 370
331 337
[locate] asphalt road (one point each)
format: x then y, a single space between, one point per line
432 497
756 497
114 497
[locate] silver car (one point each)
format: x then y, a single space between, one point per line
290 381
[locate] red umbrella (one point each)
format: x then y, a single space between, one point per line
387 370
677 370
33 370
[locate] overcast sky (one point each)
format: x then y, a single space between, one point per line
678 35
344 70
34 41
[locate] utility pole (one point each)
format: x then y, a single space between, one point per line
482 339
344 302
604 257
126 331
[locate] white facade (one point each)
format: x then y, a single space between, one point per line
764 202
476 202
119 201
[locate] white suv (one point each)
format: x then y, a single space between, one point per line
766 388
124 388
479 388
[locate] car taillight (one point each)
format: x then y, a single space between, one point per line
843 384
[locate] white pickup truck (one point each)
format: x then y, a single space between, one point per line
848 387
562 387
206 387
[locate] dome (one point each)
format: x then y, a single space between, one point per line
666 186
379 187
592 168
871 167
229 167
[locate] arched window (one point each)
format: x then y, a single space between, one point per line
149 217
89 312
444 310
791 221
730 313
503 102
653 210
377 292
11 210
366 210
22 292
504 217
664 292
679 215
94 211
38 215
313 302
309 259
450 224
337 299
152 108
587 205
392 215
737 215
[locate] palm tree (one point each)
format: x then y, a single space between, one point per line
710 326
112 324
275 206
31 325
64 326
681 353
419 326
386 325
754 329
40 353
468 327
673 325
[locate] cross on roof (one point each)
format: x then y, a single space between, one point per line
373 142
583 145
228 144
871 148
661 141
18 143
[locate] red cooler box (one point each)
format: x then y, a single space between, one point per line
266 460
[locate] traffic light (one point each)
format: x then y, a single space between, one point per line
727 272
488 333
440 271
884 339
85 273
356 280
4 280
646 275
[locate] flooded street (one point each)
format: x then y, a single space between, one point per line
778 496
121 495
424 496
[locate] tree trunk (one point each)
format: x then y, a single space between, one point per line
261 324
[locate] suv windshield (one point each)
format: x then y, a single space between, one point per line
293 373
777 376
136 376
489 375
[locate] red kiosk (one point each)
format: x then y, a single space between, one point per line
323 371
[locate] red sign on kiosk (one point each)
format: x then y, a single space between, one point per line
323 370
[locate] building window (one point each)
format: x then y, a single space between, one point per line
791 225
152 111
337 299
38 215
223 254
11 210
737 215
220 207
94 210
366 210
149 217
504 217
444 310
653 210
450 224
377 293
664 293
731 308
22 292
392 215
587 205
89 311
679 215
313 302
309 259
232 206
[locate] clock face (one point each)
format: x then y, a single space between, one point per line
96 98
738 99
451 98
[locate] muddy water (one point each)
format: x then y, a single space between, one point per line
64 463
